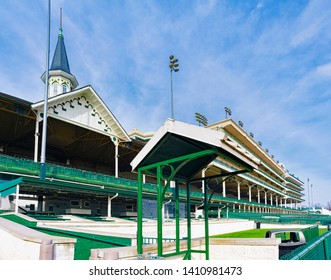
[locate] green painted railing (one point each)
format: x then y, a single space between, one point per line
22 166
300 219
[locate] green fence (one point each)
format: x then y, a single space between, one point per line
271 218
26 167
310 233
316 249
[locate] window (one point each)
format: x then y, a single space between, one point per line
74 203
64 88
55 88
129 207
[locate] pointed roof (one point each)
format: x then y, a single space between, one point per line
60 63
60 59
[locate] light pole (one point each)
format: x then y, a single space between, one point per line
312 201
43 143
173 65
308 194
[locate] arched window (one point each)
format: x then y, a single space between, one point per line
64 88
55 88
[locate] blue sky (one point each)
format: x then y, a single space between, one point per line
269 61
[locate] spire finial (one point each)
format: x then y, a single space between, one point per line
60 32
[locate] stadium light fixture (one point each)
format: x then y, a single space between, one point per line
173 65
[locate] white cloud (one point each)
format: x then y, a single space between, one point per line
324 70
204 8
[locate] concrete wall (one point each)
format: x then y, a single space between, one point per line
169 228
220 249
18 242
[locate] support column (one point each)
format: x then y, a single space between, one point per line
177 217
116 159
250 192
188 195
203 183
238 187
140 215
265 197
17 198
36 139
159 212
109 204
224 189
40 203
258 195
271 202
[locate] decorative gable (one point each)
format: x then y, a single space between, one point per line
83 107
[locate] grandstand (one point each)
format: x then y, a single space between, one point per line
89 156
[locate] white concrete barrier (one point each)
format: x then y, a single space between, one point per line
18 242
219 248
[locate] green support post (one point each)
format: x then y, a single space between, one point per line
189 245
206 208
177 217
159 212
139 216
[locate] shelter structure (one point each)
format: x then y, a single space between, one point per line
177 153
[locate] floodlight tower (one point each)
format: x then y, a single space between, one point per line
173 65
227 112
201 119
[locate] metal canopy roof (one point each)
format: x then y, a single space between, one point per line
177 139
